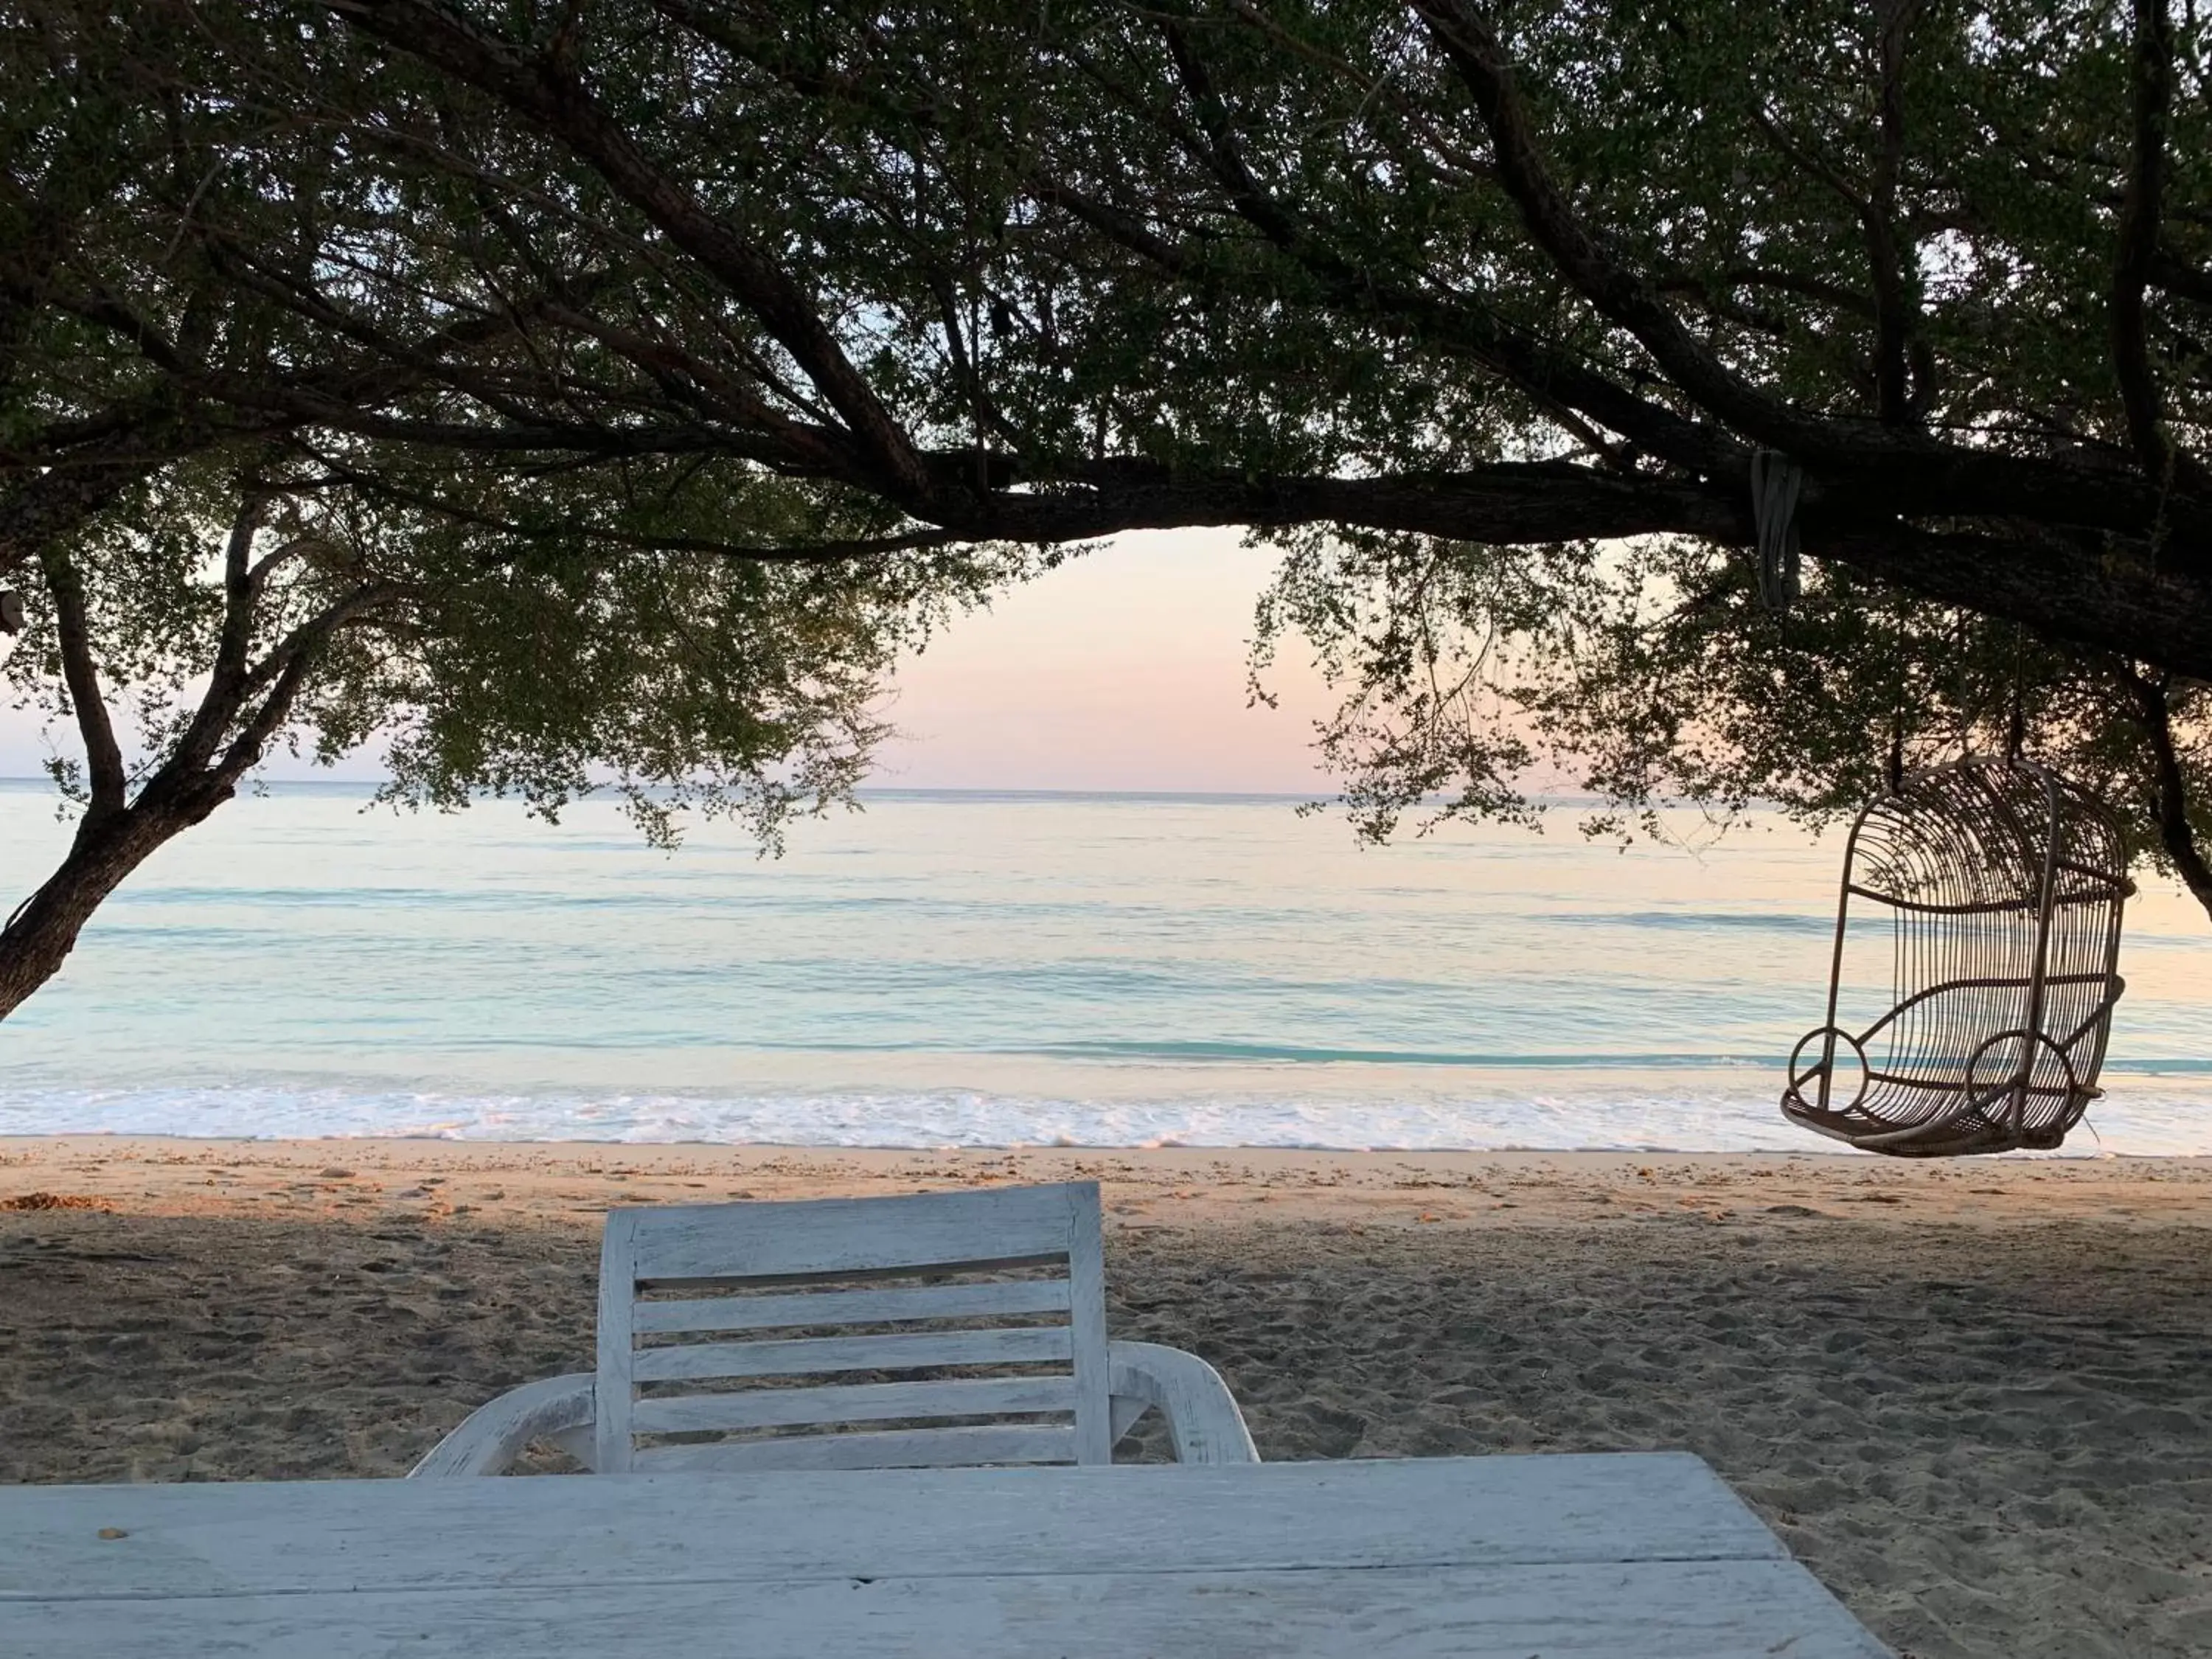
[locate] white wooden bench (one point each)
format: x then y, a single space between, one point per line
1008 1279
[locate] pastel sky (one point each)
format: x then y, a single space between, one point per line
1122 670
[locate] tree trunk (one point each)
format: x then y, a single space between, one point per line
2169 795
108 846
2180 839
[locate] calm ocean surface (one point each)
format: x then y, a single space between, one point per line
958 969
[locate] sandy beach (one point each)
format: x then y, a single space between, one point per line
1976 1398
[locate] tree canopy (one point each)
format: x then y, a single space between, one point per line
1484 312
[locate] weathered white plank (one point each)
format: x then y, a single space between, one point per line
852 1402
874 1307
816 1356
615 1389
1674 1610
291 1536
963 1446
853 1276
1086 1279
830 1236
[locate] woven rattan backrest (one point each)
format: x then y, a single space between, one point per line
2004 885
944 1328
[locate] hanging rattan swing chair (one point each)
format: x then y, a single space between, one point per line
2002 885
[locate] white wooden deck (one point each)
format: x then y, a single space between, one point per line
1614 1557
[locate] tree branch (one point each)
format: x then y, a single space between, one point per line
822 451
968 372
1476 55
283 673
1790 282
103 756
1808 160
548 92
2177 277
376 487
1221 151
2083 591
107 311
1905 461
219 703
1550 378
1893 396
60 477
50 504
2151 88
239 585
1928 478
2169 802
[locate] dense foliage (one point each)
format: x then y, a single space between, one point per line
642 365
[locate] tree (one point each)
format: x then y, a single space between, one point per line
1344 264
1359 265
1448 299
239 518
685 682
1458 280
1660 674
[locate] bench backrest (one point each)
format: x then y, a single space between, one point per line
713 1321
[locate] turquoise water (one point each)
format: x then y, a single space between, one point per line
949 968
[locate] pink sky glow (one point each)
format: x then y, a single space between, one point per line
1122 670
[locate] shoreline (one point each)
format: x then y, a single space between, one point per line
997 1103
575 1180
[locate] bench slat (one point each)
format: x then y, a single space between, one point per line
763 1313
907 1351
966 1445
854 1402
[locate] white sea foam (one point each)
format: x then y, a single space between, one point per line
2146 1120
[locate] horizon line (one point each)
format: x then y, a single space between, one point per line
44 784
1000 792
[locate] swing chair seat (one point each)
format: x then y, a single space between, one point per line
2002 886
1939 1116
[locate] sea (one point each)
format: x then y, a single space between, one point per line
961 969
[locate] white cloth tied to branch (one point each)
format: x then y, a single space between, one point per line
1777 482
